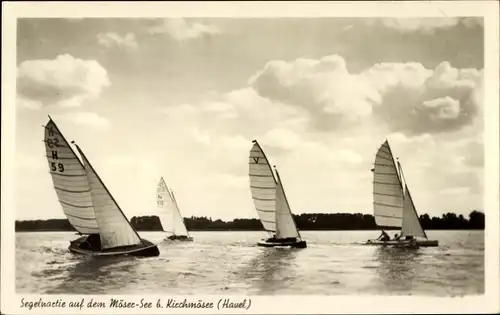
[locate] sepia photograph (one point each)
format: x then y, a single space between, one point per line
249 156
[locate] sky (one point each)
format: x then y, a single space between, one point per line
184 98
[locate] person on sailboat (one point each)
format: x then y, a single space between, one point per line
384 237
396 237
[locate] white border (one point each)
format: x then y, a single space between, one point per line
489 302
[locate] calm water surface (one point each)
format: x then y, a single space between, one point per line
230 263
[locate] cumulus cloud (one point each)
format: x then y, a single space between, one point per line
182 30
444 108
445 101
111 39
85 119
319 123
441 163
405 96
64 81
324 87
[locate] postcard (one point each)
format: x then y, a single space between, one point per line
250 157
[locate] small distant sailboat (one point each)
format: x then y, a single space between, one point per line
88 205
271 203
170 216
393 205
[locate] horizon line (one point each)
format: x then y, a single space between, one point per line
252 218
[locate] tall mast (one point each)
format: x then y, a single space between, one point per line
392 155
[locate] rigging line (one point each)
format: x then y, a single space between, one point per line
393 163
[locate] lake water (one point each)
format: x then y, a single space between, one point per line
335 262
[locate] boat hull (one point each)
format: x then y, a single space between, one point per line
282 243
181 238
404 243
147 249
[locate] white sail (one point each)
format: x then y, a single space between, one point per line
114 228
411 224
166 205
387 189
70 181
179 226
170 215
285 224
263 187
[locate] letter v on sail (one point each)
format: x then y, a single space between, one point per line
271 203
88 204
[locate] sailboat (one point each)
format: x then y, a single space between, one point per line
170 215
271 203
392 203
88 204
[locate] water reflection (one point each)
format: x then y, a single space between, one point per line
270 269
398 267
96 275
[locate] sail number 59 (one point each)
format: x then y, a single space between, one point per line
57 167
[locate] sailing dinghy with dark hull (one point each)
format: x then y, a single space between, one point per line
170 215
271 203
393 205
88 205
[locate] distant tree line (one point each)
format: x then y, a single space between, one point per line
305 221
